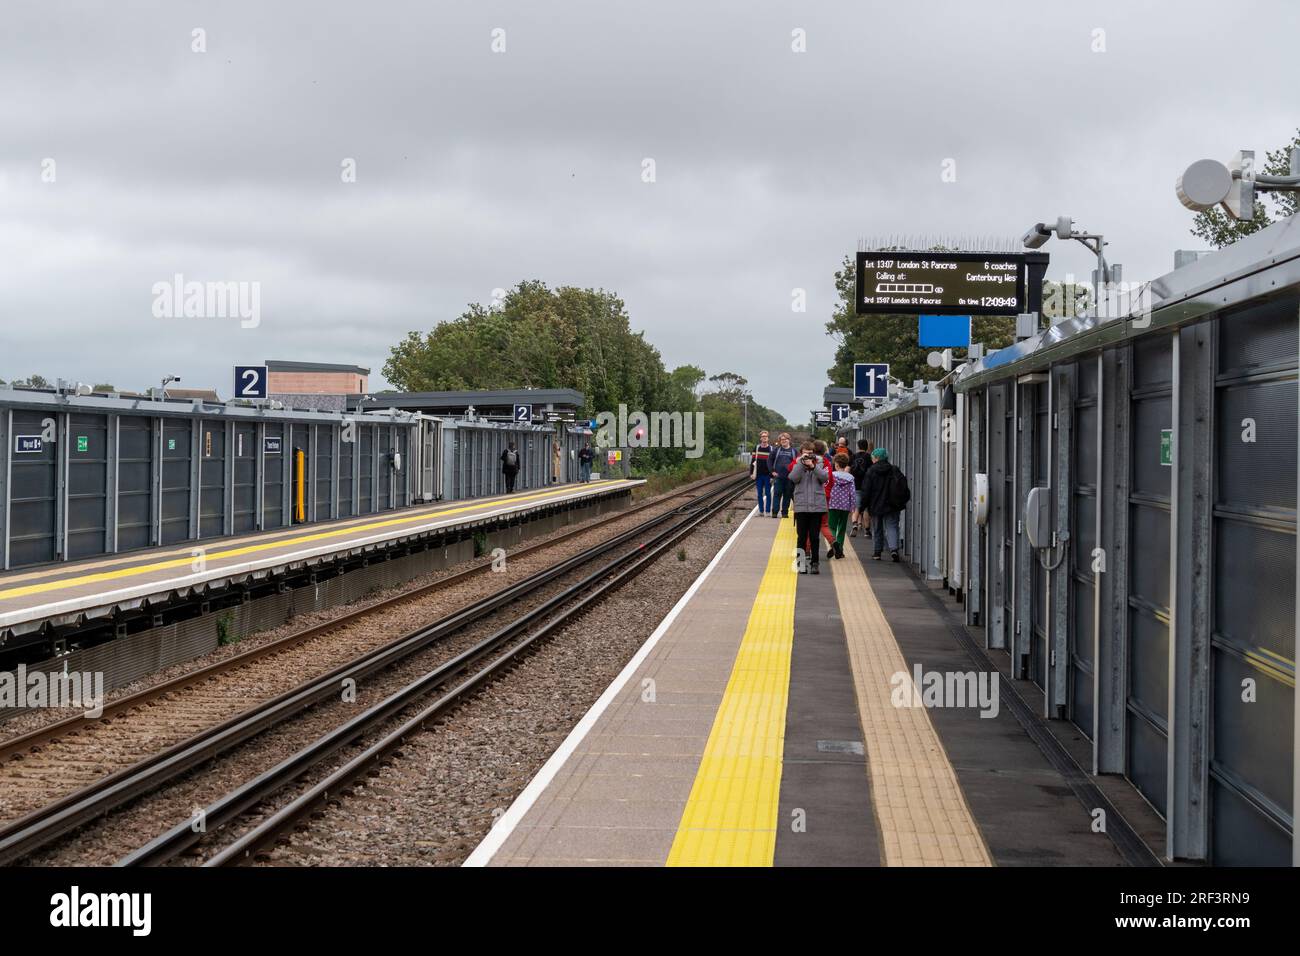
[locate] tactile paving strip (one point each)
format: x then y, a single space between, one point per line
921 813
730 817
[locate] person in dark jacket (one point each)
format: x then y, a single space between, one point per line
585 457
510 466
861 462
760 471
883 515
808 475
782 459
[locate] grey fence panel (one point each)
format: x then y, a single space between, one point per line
135 501
1254 573
245 476
176 476
212 479
87 487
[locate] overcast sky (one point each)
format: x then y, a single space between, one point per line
476 169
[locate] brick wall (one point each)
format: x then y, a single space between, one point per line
318 383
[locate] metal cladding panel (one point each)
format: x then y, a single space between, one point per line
1252 740
366 451
135 503
347 479
1260 336
87 493
402 442
324 472
1240 836
33 490
273 477
1253 584
1147 761
175 491
1151 417
212 479
1256 464
383 461
245 472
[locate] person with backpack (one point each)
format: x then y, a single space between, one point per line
886 495
760 471
858 468
808 476
510 466
779 465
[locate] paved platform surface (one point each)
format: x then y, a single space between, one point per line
775 718
81 586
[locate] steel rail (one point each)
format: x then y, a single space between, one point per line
570 602
40 827
56 729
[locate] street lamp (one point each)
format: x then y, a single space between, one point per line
1038 234
167 380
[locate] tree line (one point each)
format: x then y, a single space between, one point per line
538 337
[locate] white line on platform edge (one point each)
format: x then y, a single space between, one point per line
218 572
502 829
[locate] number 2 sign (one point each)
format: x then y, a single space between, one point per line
250 381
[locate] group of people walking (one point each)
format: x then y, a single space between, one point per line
831 494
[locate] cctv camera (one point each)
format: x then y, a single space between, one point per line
1036 237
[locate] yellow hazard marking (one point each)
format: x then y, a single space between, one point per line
921 812
730 818
216 555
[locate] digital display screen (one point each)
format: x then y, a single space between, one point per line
941 283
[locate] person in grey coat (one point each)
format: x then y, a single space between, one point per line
808 476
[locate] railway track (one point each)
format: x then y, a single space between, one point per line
47 824
55 730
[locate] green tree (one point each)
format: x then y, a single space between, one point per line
1219 229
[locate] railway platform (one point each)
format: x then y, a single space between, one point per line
780 719
106 588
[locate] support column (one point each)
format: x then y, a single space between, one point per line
1190 573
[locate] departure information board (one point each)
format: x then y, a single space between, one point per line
941 283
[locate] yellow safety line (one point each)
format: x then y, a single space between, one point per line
730 818
921 812
266 546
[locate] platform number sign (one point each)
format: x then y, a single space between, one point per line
523 414
839 412
250 381
870 380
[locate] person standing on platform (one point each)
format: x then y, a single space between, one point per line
782 458
820 446
861 462
809 477
844 498
585 457
555 462
510 466
886 494
760 471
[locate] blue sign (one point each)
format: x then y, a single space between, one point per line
839 412
250 381
870 380
523 414
272 446
27 444
943 331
